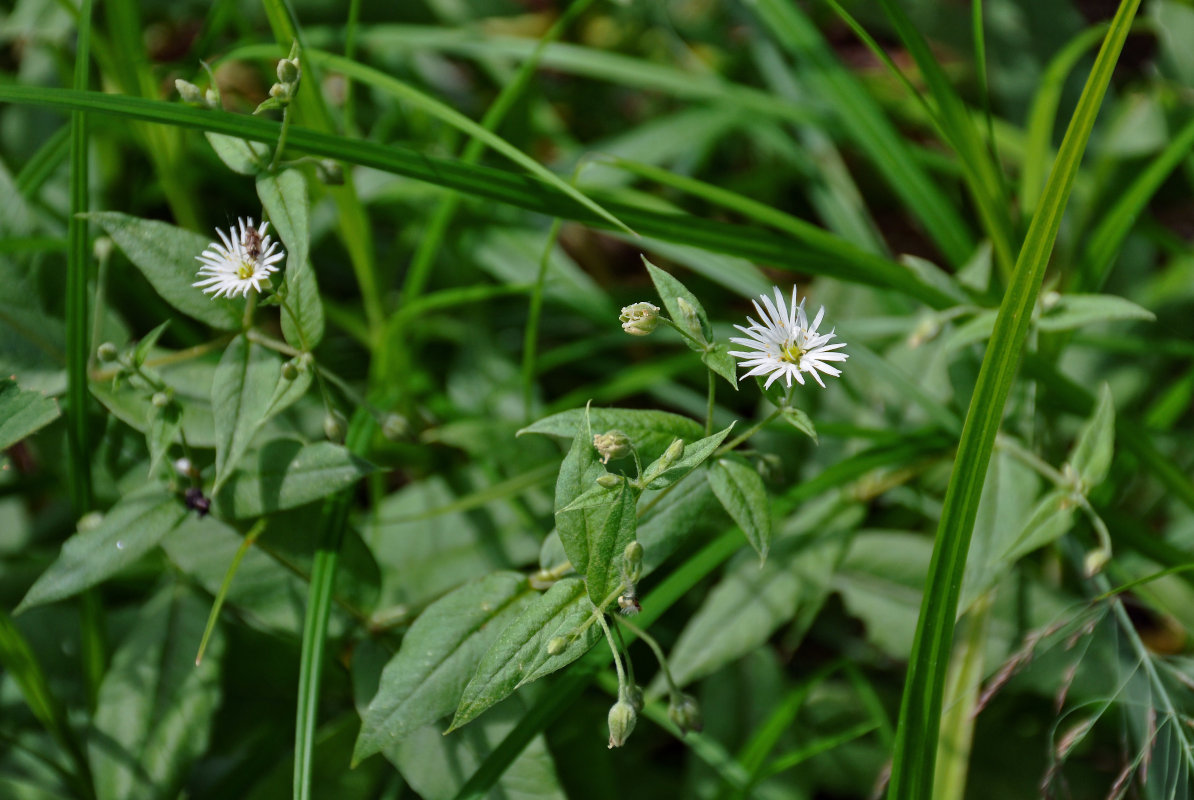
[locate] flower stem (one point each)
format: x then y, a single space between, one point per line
281 139
749 432
709 407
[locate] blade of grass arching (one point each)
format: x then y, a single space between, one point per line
913 762
18 660
1044 111
981 172
530 336
401 91
78 351
601 65
869 128
486 182
1104 244
352 223
441 218
855 263
333 521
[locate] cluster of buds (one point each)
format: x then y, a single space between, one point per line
290 72
193 95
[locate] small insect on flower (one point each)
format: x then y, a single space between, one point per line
242 263
785 345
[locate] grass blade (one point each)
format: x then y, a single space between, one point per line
920 711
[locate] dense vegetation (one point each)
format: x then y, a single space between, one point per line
596 399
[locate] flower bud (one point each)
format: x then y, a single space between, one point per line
90 521
102 248
107 352
290 370
160 399
395 427
186 468
557 645
639 319
611 445
632 563
333 427
1095 561
330 172
608 481
189 92
622 717
673 452
685 714
289 71
212 98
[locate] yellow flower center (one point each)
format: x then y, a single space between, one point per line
245 270
792 353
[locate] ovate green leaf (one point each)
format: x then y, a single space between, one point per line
439 655
287 474
23 412
284 197
742 494
1076 310
671 292
650 431
240 397
1091 456
694 455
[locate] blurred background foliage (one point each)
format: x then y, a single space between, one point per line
799 664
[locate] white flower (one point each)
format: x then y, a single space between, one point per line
785 345
241 263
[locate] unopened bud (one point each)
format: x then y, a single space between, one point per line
289 70
212 97
107 352
290 370
685 714
395 427
673 452
330 172
186 468
189 92
639 319
557 645
611 445
632 563
102 248
160 399
622 717
1095 561
333 427
608 481
90 521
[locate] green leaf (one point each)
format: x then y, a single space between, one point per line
166 256
650 431
1075 310
671 291
439 655
141 351
164 425
284 197
23 412
1049 521
578 473
1091 455
289 474
801 422
134 407
240 398
240 155
603 574
718 359
694 455
128 531
520 655
742 494
155 708
288 392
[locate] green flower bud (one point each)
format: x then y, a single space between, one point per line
622 717
632 563
107 352
685 714
395 427
212 98
608 481
333 427
189 92
289 71
290 370
611 445
102 248
673 452
639 319
557 645
330 172
160 399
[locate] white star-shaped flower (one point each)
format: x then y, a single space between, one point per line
785 345
241 263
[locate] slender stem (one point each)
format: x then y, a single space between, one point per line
282 134
672 688
749 432
172 358
613 646
250 537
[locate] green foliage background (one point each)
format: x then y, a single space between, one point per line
960 570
